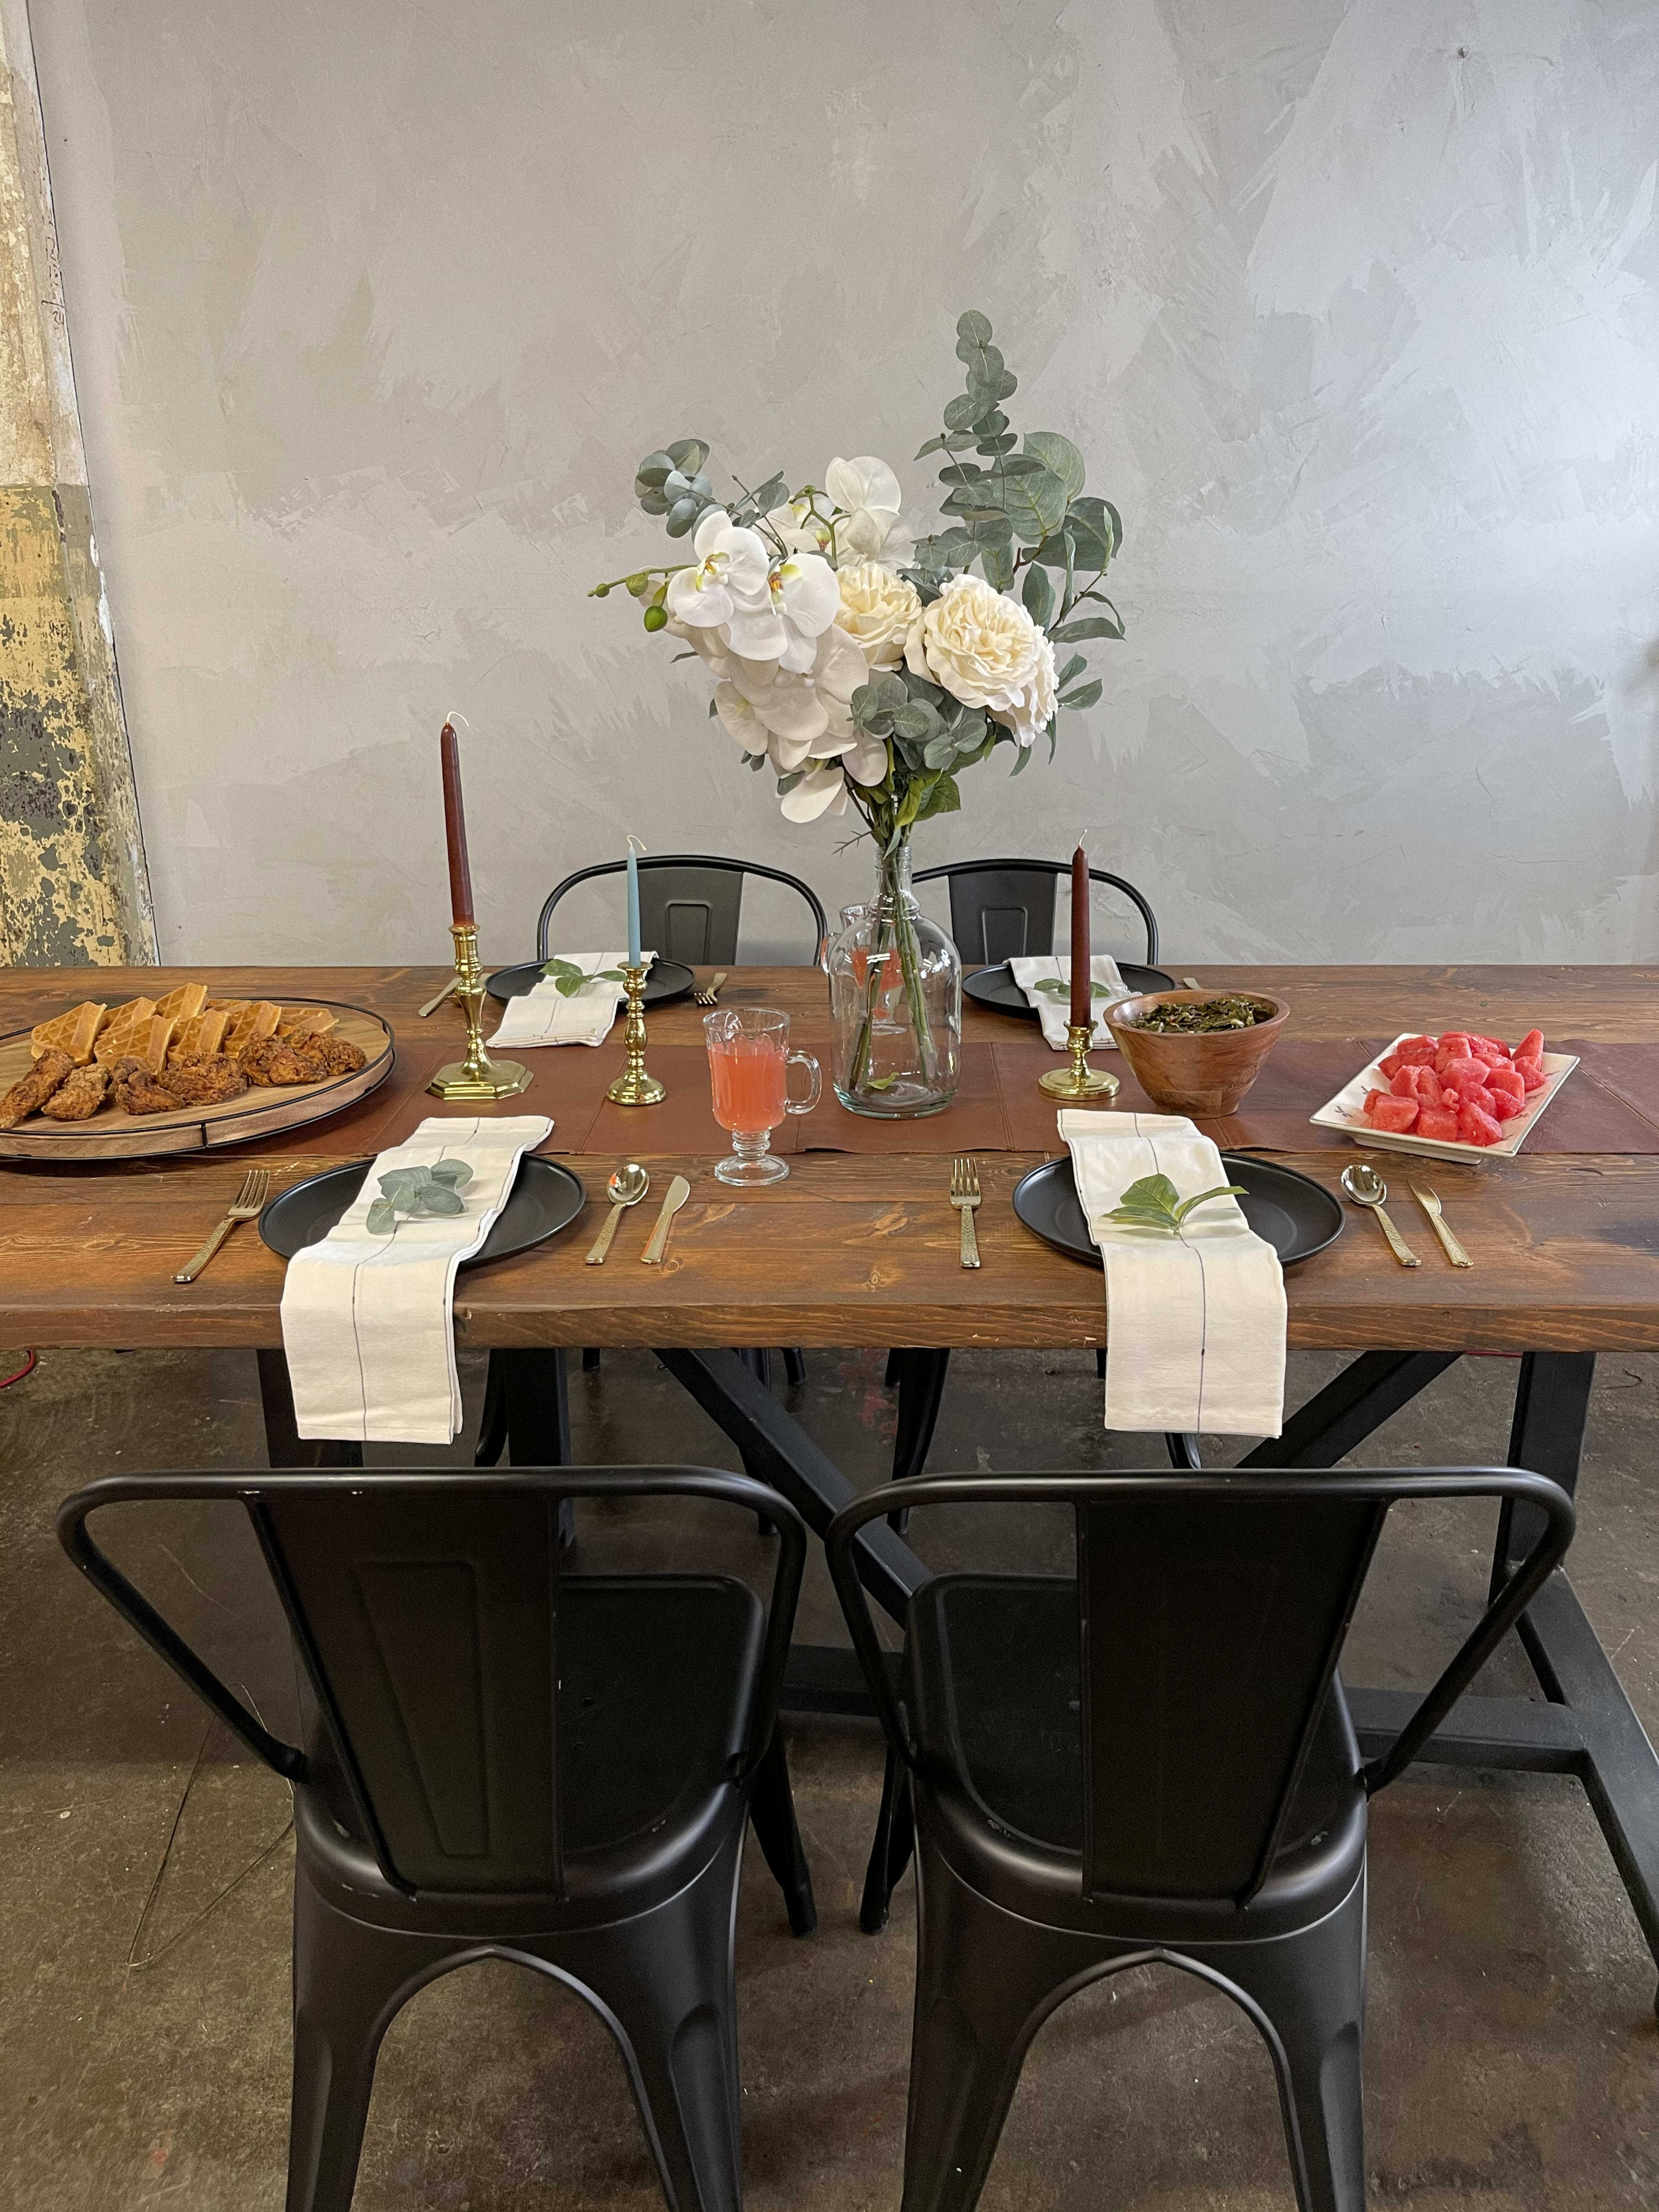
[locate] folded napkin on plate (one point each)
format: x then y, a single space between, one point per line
366 1320
1055 1006
545 1016
1195 1323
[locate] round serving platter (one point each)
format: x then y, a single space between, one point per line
1290 1211
665 980
545 1198
113 1133
996 987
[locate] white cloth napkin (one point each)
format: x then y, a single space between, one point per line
366 1320
545 1016
1195 1322
1056 1009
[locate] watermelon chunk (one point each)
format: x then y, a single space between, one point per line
1390 1065
1439 1123
1494 1054
1465 1071
1505 1079
1476 1128
1416 1051
1398 1115
1453 1046
1505 1106
1531 1073
1531 1046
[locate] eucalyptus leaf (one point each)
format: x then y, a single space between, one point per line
918 722
1038 594
996 559
985 361
938 445
689 454
1087 626
1060 457
438 1198
786 783
654 470
1022 762
1085 696
962 411
973 327
1036 505
653 502
1020 465
382 1217
1074 668
961 472
681 515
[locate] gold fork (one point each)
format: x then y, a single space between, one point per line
707 994
965 1196
249 1203
1429 1199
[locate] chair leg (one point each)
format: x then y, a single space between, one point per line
891 1847
665 1981
1100 1364
348 1980
591 1359
794 1364
889 1380
1311 1988
772 1810
922 1389
985 1980
492 1423
536 1395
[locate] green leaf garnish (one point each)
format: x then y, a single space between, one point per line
1155 1203
1057 989
434 1189
567 978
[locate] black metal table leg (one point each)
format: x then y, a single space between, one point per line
284 1445
919 1374
536 1402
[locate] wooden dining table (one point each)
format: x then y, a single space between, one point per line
860 1246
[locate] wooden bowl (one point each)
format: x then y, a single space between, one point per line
1204 1072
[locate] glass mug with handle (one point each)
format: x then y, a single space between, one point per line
748 1065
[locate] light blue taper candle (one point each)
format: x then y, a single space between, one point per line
634 957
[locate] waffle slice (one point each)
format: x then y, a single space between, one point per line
259 1018
73 1033
126 1030
201 1037
151 1046
183 1003
305 1021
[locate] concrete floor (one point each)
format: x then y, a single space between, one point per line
1513 2059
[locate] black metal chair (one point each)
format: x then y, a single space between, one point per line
505 1760
1004 909
1153 1761
690 906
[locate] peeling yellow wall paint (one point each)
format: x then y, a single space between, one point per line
73 883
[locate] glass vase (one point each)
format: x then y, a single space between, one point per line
895 1003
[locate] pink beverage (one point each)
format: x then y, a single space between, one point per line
750 1077
748 1065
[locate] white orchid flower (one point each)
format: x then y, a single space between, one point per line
798 529
820 791
726 579
803 600
873 529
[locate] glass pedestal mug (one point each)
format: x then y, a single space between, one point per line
748 1065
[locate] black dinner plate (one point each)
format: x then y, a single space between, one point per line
665 980
1290 1211
996 987
545 1197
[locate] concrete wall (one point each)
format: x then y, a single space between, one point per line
1353 308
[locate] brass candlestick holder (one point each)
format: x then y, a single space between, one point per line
1078 1079
633 1087
477 1076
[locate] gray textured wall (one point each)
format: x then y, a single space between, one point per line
1353 308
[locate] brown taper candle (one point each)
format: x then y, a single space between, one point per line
461 875
1082 996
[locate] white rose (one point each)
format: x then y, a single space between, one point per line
984 647
878 608
1034 710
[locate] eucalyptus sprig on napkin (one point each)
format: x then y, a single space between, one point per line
1056 987
567 978
1155 1203
436 1189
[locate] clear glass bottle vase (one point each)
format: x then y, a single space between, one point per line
895 1003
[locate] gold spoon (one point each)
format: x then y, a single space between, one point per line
626 1188
1366 1188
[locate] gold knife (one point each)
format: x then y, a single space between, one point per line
1429 1199
675 1197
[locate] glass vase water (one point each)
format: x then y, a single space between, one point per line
895 1003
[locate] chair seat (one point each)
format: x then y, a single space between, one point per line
992 1685
657 1676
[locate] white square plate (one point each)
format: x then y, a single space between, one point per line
1347 1112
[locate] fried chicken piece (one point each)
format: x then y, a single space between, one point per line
338 1054
208 1080
135 1091
79 1095
274 1060
27 1095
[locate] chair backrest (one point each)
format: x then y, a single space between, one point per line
1212 1612
690 904
1004 909
425 1612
